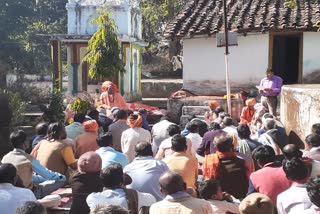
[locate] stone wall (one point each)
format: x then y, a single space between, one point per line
299 109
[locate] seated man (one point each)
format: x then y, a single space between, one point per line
113 180
225 166
221 202
292 151
295 199
177 200
313 189
312 147
182 163
87 141
145 171
12 197
165 146
75 129
277 181
107 153
34 176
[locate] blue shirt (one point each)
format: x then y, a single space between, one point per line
42 172
74 130
145 173
109 156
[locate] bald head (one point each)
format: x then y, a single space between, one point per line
171 182
291 151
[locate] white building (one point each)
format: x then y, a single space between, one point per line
269 35
128 18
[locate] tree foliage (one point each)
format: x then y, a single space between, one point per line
22 49
104 50
156 14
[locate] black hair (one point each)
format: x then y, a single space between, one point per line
142 111
179 143
264 154
129 112
214 126
269 124
31 207
55 131
173 129
208 188
218 110
18 138
175 183
243 131
79 117
313 189
143 149
112 176
227 121
269 70
223 142
121 114
291 151
192 127
105 139
295 169
315 129
94 114
313 140
41 129
8 172
202 126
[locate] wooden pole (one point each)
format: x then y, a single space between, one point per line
226 55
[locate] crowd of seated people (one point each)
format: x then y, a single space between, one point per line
121 165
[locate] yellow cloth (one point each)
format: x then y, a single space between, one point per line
185 165
68 156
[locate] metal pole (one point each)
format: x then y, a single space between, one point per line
226 55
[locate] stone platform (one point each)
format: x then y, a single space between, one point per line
299 109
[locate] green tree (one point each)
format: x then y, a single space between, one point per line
22 49
104 50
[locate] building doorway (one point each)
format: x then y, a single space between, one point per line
286 56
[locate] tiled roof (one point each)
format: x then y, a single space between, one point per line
200 17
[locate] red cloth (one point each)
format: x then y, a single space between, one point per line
271 180
105 86
211 164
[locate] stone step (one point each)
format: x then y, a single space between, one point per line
161 88
157 102
194 110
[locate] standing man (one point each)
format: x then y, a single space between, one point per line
270 88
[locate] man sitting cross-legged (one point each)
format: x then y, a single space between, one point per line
177 200
34 176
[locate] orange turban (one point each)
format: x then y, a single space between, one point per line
105 86
251 102
90 126
213 104
134 120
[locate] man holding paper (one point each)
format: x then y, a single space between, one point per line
270 88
